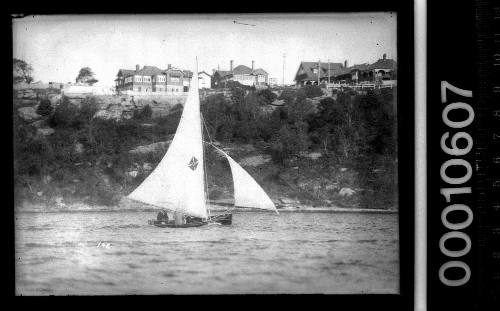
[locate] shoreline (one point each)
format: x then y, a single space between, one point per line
306 209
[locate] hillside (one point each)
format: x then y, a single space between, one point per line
79 153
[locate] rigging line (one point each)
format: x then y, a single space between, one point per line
225 155
206 127
210 143
207 195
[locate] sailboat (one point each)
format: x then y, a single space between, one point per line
179 182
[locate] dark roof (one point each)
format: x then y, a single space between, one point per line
383 63
149 71
223 73
172 69
126 72
308 67
364 66
338 69
199 73
242 70
259 71
153 71
343 72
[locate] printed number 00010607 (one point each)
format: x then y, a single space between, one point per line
455 151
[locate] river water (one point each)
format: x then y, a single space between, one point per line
115 253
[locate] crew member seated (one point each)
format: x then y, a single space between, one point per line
162 216
179 218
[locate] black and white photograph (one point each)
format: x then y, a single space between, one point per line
159 154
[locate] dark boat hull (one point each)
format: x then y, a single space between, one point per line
223 219
173 225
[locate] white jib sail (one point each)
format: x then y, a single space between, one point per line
247 192
177 183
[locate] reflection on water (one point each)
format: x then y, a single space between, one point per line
101 253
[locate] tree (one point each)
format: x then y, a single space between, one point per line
322 125
300 109
267 96
44 108
66 114
312 91
237 95
86 76
381 133
215 109
289 141
22 71
337 127
288 95
143 114
88 109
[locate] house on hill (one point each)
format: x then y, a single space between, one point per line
242 74
204 80
383 71
312 72
153 80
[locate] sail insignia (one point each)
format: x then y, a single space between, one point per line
193 163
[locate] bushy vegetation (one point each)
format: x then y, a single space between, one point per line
89 156
44 108
84 150
143 114
235 84
311 91
353 131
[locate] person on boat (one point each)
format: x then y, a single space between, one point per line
162 216
179 218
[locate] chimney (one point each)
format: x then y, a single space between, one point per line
169 66
384 56
231 65
253 62
137 67
345 63
218 68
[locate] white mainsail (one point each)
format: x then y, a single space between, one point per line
247 192
177 183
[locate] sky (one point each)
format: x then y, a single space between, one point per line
58 46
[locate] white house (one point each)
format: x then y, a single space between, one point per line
204 80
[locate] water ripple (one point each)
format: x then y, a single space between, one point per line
292 253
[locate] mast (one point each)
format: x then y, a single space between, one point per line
205 182
205 175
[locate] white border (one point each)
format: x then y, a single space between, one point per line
420 270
